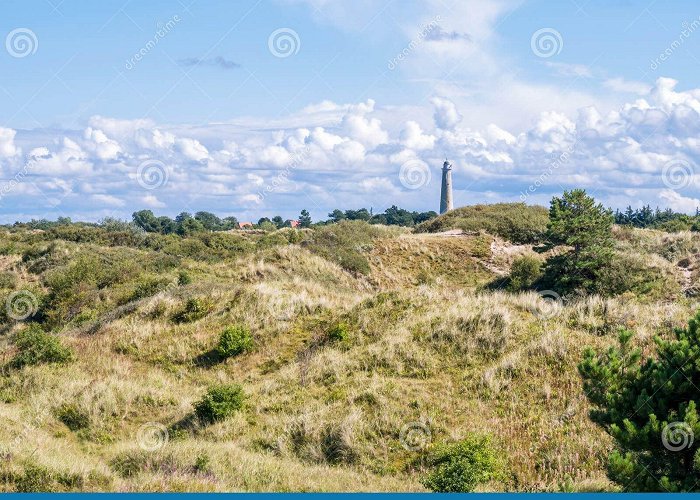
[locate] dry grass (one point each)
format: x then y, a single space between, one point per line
324 415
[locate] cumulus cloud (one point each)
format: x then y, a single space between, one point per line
7 142
114 167
446 115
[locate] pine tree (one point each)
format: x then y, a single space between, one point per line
305 218
650 408
577 222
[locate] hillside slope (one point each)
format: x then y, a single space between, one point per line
425 351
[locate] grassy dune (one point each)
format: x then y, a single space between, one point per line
427 344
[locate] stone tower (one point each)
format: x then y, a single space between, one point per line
446 191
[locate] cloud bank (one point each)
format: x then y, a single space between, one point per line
350 155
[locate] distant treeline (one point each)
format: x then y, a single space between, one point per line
667 219
186 223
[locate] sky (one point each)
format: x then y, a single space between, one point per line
257 108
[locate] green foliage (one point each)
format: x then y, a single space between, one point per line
339 333
344 243
524 272
219 403
632 273
34 346
649 407
195 308
234 340
305 219
183 278
37 478
202 464
576 221
462 466
72 416
515 222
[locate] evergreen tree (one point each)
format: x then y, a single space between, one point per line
650 408
577 222
278 221
305 218
146 221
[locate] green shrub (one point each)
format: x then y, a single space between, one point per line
183 278
72 416
148 286
40 479
219 403
339 333
35 346
460 467
525 271
195 308
632 273
202 464
234 340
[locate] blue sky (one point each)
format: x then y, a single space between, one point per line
359 112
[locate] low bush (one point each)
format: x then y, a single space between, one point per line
462 466
72 416
35 346
234 340
339 333
525 271
195 308
219 403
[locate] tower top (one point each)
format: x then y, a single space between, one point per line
447 165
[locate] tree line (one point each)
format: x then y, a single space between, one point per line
657 219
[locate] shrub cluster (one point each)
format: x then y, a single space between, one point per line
35 346
219 403
234 340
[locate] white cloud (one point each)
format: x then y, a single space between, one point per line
678 202
446 115
619 156
412 137
7 142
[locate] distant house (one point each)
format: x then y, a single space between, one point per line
243 225
292 223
